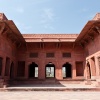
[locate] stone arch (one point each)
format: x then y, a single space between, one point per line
33 70
50 70
67 70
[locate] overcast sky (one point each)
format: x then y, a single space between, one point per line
50 16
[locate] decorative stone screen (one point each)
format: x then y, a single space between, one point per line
49 55
33 55
66 54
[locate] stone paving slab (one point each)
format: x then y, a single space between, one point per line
51 87
49 95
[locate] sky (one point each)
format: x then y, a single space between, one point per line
50 16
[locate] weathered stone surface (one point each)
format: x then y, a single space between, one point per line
81 59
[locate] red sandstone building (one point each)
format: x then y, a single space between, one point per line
49 56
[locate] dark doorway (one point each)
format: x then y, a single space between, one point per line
88 71
12 71
67 70
50 70
33 70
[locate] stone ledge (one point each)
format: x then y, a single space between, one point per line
50 89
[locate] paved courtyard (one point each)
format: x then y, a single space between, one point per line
47 95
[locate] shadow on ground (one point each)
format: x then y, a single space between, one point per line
36 83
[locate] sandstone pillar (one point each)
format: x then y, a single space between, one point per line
41 71
93 68
73 70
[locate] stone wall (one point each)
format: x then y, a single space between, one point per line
77 55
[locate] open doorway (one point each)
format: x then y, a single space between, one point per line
33 70
67 70
50 70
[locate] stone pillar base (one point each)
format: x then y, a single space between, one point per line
1 83
93 77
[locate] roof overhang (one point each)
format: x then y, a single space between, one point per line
14 29
50 37
86 29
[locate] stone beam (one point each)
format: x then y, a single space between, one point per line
5 31
73 45
91 37
11 36
81 44
58 45
14 42
19 44
9 33
26 47
85 41
98 29
94 30
42 45
9 29
2 28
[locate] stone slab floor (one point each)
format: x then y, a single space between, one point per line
49 95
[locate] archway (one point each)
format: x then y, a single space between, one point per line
33 70
88 71
50 70
12 70
67 70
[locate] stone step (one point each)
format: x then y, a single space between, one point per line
50 85
46 81
50 89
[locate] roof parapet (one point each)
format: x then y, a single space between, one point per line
97 16
3 17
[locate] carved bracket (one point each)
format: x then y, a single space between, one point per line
85 41
73 45
91 37
58 45
42 45
81 44
2 27
98 29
